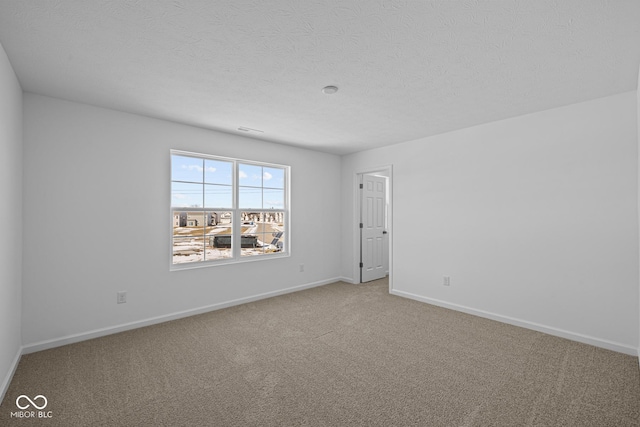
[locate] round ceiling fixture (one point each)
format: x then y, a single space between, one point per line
329 90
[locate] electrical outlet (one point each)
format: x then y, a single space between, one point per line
301 268
122 297
446 281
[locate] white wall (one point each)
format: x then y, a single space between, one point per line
638 122
11 218
96 221
534 218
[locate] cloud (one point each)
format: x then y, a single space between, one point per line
211 169
242 174
180 196
267 176
273 203
193 167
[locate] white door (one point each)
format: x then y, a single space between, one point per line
373 232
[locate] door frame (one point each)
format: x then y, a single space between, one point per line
387 171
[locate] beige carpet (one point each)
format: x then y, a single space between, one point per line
337 355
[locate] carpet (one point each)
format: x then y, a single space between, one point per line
335 355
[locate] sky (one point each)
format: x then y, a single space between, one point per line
198 181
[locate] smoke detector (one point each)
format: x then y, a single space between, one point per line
329 90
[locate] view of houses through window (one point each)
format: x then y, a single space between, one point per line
225 209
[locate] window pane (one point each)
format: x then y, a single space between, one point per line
186 195
215 252
188 249
218 196
188 239
273 177
250 198
179 220
186 168
251 251
273 199
275 231
250 175
262 233
218 234
218 172
249 239
249 220
274 236
194 223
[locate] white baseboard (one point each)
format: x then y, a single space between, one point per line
348 280
585 339
83 336
12 370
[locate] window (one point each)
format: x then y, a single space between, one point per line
226 210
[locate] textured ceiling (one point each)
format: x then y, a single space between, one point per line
405 69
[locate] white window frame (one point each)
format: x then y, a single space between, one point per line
236 212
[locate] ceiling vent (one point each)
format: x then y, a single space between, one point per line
249 130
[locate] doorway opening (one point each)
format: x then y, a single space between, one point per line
374 224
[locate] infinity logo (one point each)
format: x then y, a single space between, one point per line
22 396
